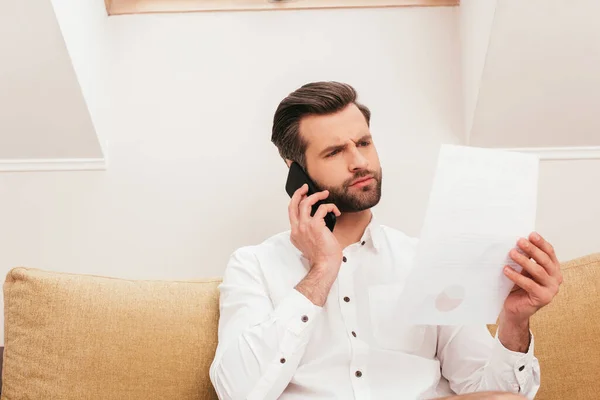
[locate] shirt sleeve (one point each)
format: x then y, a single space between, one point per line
259 345
474 361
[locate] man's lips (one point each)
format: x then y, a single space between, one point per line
365 179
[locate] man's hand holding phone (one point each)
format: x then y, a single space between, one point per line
318 244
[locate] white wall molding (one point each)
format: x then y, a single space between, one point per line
562 153
58 164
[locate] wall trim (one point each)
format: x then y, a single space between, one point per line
119 7
99 164
562 153
58 164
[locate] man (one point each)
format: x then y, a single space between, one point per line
309 314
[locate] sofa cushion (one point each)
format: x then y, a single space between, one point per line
70 336
567 334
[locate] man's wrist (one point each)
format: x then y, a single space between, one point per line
514 334
316 285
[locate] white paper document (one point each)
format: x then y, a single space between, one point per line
481 202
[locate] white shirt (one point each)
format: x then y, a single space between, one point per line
275 343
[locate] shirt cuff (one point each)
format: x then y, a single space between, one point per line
297 312
517 365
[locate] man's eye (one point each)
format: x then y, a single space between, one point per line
365 143
333 153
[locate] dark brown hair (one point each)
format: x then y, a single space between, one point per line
317 98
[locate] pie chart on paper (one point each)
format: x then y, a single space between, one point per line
450 298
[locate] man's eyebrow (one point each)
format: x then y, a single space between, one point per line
329 149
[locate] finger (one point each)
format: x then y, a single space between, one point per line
544 245
307 203
294 202
525 274
536 271
326 208
537 254
527 284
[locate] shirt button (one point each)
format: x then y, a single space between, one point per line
304 318
358 374
362 243
282 361
353 333
344 259
347 299
521 368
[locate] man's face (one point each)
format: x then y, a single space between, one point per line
341 158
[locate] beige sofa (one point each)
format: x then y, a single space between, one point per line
70 336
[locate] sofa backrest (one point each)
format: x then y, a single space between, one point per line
73 337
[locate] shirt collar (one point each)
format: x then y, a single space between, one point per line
373 233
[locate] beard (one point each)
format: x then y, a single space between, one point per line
350 199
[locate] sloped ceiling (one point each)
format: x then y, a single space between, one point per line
540 85
476 18
43 114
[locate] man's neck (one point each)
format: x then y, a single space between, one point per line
350 227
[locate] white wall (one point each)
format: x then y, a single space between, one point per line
569 206
186 113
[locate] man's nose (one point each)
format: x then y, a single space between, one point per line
358 161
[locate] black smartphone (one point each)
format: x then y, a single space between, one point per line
298 177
